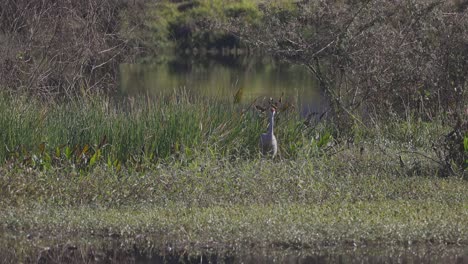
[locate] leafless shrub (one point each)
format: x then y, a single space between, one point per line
390 59
61 47
391 55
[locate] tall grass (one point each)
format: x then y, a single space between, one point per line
115 131
137 129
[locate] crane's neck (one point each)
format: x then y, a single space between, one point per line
272 123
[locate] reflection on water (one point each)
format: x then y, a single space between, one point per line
86 254
444 255
240 79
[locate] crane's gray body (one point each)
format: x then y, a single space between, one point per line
268 143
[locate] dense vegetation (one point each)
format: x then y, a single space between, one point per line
387 166
187 175
378 61
85 132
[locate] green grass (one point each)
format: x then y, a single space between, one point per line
225 205
137 130
186 172
230 206
291 225
190 24
207 180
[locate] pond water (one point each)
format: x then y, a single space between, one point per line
373 254
404 256
423 253
240 79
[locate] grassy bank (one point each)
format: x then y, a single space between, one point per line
236 228
229 206
192 24
186 172
221 205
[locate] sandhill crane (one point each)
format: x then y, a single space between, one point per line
268 143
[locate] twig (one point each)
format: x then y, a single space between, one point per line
422 155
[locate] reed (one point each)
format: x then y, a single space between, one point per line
88 131
137 129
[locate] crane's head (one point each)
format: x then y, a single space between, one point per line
273 110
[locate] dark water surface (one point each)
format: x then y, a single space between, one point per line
421 254
229 78
371 255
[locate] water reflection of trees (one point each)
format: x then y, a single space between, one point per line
210 75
